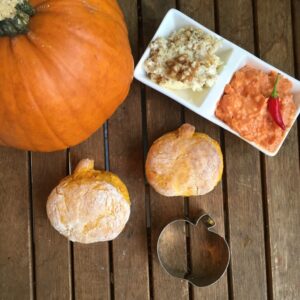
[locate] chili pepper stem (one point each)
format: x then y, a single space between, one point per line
274 92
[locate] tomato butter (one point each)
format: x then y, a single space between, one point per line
244 106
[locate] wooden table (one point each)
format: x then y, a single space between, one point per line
257 205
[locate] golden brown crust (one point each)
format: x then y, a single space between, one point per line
184 163
89 206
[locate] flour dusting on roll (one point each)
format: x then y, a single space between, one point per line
184 163
89 206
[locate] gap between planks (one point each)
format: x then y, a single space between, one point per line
145 150
226 214
70 244
32 270
263 177
224 178
110 244
296 57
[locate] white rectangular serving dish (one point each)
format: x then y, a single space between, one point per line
204 103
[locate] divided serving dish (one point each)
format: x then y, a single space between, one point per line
204 103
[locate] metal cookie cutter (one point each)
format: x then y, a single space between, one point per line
208 255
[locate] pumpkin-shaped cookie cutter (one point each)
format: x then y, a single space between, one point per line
211 248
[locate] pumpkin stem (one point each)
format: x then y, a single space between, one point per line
14 17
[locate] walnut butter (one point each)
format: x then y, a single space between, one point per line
184 60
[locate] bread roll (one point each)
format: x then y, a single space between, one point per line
184 163
89 206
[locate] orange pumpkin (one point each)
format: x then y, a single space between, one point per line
62 74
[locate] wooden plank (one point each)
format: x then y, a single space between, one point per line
296 41
296 35
163 115
282 171
91 262
51 248
245 209
15 249
203 12
126 160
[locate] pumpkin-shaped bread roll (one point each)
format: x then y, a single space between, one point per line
89 205
184 163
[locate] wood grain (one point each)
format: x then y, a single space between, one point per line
245 209
15 254
126 160
51 248
203 12
163 115
282 171
91 262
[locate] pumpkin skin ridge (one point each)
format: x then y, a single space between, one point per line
65 68
24 80
33 99
114 50
33 146
111 4
16 69
91 41
96 94
69 107
6 44
109 18
66 144
16 102
41 7
110 50
94 4
90 5
126 91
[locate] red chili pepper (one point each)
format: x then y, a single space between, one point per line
274 106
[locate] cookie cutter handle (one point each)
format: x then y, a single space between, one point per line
206 219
